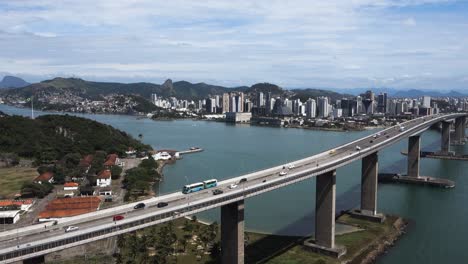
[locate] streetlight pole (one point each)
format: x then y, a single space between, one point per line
188 194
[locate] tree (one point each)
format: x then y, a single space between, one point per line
115 172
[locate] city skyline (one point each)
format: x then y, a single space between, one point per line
403 44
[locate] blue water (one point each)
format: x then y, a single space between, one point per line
436 236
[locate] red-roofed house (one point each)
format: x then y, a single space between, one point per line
20 204
44 177
70 186
112 160
104 178
85 163
10 210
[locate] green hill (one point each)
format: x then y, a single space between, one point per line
50 137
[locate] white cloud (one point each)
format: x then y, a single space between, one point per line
296 43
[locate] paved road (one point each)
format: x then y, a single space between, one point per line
320 163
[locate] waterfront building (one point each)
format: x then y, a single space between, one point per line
234 117
260 100
311 108
323 107
210 105
226 103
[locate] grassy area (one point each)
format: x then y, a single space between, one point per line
289 250
261 248
11 180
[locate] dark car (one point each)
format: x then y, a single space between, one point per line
217 191
243 180
118 217
139 206
161 204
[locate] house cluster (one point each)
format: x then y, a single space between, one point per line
10 210
103 178
80 194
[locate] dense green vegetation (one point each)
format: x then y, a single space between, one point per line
49 138
158 244
138 180
32 189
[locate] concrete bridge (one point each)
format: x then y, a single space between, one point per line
38 240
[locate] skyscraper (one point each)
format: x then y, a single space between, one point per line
260 100
323 107
311 108
426 101
226 103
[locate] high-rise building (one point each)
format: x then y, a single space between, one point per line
359 105
311 108
260 100
323 107
226 103
210 105
426 101
382 103
269 102
154 98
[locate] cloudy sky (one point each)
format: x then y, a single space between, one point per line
332 43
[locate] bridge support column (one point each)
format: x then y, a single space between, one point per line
232 233
369 177
459 131
464 139
445 140
325 217
414 151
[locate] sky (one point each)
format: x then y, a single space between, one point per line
296 44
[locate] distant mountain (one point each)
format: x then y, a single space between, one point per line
305 94
407 93
12 82
419 93
94 90
78 88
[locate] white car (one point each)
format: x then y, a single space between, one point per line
291 166
282 173
71 228
358 148
233 186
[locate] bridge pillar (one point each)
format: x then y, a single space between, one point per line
459 130
232 233
445 140
325 217
370 169
325 209
464 139
369 178
414 151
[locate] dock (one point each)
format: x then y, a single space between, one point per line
438 155
421 180
190 151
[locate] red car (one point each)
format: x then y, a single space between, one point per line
118 217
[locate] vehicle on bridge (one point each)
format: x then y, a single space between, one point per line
71 228
217 191
139 206
161 204
282 173
210 183
195 187
118 217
